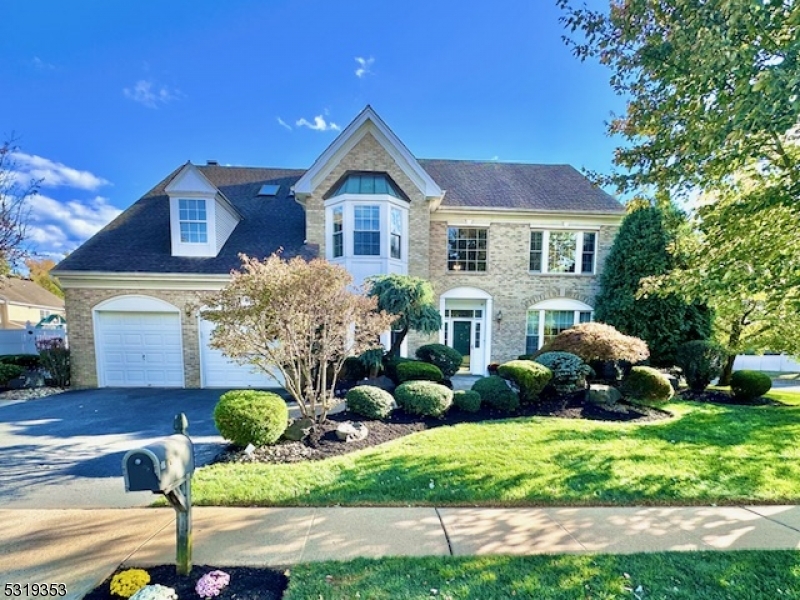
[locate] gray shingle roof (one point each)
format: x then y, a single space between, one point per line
138 240
25 291
493 184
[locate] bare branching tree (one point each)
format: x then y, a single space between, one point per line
14 207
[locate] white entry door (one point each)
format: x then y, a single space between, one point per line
220 372
139 349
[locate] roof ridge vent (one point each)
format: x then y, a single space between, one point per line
212 163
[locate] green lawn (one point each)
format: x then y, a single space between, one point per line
706 454
751 575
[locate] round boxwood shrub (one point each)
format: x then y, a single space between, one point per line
494 392
467 400
446 358
250 417
701 361
9 372
748 385
569 371
369 401
530 377
416 370
424 398
647 383
390 364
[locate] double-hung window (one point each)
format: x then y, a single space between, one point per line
338 232
466 249
367 231
562 252
193 221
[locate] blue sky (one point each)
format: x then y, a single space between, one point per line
107 98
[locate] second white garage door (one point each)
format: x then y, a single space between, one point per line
220 372
139 349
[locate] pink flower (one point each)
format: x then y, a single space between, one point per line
211 584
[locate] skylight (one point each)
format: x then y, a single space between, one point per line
269 189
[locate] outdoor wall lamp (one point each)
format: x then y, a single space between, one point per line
499 316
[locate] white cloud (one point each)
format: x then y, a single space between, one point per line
151 94
40 64
56 227
319 124
53 174
364 66
283 123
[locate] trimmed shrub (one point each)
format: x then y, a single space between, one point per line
26 361
446 358
701 361
530 377
467 400
369 401
494 392
9 372
569 371
416 370
390 364
647 383
251 417
424 398
598 342
748 385
372 361
353 369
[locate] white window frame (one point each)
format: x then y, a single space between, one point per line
348 204
556 305
198 221
545 252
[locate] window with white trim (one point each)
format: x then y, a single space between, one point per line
193 221
367 230
338 232
544 323
562 251
466 249
395 233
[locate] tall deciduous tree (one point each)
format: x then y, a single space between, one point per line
641 250
295 319
711 86
39 270
14 209
410 301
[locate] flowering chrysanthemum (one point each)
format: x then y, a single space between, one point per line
155 592
126 583
211 584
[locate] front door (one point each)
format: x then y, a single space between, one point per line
462 340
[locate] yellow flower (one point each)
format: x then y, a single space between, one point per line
126 583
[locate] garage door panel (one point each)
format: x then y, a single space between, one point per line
219 371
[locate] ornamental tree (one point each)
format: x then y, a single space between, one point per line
410 301
663 321
297 320
15 196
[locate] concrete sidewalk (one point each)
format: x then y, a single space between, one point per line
83 547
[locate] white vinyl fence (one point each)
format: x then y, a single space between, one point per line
767 362
23 341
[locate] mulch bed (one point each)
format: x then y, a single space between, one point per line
722 397
323 443
246 583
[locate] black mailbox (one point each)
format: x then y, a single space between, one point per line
159 467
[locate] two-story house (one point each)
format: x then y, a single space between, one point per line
513 252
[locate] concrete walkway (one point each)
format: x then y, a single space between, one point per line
83 547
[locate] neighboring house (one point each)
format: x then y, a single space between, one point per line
513 252
24 303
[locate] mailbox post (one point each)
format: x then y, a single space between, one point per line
166 467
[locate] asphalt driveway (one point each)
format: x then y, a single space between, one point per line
65 451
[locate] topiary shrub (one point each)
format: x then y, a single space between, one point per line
390 364
416 370
530 377
569 371
647 383
446 358
748 385
701 361
467 400
494 392
424 398
369 401
250 417
9 372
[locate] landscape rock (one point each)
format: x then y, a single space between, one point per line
603 394
351 432
298 429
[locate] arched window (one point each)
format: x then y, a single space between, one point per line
546 319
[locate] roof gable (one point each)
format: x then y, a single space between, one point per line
190 180
366 122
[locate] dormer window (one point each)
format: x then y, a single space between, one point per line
193 221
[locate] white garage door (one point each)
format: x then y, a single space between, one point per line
220 372
139 349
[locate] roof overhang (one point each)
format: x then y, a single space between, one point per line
142 281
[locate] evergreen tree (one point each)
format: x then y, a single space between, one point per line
641 250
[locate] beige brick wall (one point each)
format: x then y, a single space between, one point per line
507 279
80 302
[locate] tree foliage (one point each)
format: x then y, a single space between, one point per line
14 209
295 319
39 270
711 86
410 301
598 342
663 321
